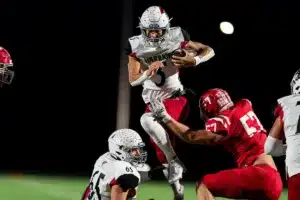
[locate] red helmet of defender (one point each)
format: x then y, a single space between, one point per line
6 74
214 101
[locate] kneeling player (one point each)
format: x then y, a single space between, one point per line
238 129
115 175
287 125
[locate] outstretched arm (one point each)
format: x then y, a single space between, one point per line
181 130
189 135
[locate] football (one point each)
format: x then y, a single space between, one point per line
181 53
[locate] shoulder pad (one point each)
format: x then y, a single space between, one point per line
134 42
282 99
176 34
122 167
247 101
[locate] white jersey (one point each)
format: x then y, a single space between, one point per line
291 118
109 171
166 81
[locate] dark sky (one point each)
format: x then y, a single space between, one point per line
62 105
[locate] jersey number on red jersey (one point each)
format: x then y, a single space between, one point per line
251 123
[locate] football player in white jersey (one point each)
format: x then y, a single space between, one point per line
152 63
287 124
6 64
116 173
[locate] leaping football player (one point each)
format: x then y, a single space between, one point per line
152 63
238 129
287 125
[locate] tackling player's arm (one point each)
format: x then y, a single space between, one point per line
136 75
192 136
274 144
183 131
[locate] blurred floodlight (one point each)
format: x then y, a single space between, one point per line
226 27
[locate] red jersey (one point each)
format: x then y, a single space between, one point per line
245 136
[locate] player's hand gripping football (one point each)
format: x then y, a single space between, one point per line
153 68
186 61
159 111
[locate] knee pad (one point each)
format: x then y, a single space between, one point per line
146 121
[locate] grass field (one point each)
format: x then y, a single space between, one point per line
55 188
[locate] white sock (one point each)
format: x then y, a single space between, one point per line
166 171
158 134
176 186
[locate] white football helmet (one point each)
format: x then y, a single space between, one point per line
154 25
295 83
127 145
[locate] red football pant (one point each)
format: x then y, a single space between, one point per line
178 109
294 187
259 182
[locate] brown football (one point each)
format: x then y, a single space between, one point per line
179 53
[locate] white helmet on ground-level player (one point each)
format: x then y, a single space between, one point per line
127 145
6 74
154 24
295 83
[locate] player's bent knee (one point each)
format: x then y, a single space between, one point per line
146 121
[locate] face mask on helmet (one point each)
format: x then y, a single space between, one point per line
204 112
154 35
136 154
6 74
295 83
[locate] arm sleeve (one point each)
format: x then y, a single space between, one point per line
126 176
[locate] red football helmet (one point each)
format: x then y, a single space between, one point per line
6 74
213 102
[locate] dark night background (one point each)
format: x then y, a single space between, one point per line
61 107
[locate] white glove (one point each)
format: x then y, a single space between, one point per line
159 111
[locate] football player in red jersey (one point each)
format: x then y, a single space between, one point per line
237 128
6 73
287 125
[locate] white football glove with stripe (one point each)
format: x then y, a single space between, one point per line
159 111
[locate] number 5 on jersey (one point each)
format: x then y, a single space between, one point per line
251 123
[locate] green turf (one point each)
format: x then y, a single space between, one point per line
60 188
